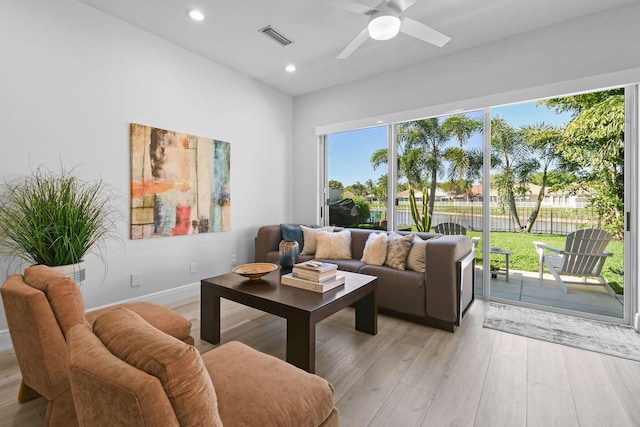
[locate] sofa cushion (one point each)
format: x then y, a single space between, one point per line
398 250
353 265
177 365
416 257
293 232
254 388
401 291
62 292
333 245
375 249
310 238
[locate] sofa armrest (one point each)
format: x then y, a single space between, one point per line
441 275
267 240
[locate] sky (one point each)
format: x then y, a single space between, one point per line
350 152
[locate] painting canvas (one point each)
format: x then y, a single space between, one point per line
179 183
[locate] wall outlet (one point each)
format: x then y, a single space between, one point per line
193 268
136 279
234 260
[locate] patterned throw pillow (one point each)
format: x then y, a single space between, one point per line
375 249
333 245
310 238
416 258
398 250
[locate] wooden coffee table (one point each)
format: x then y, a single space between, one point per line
302 308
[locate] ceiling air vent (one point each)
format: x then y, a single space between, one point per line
271 32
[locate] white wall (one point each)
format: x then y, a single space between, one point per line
72 79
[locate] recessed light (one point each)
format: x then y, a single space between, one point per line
195 14
290 68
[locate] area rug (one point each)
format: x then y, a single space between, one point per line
608 338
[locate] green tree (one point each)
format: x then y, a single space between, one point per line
509 157
543 140
335 185
461 127
422 151
594 139
358 189
364 211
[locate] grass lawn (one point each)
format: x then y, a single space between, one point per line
525 256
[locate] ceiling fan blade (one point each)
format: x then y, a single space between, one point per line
420 31
401 5
355 43
349 6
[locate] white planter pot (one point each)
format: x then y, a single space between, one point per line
75 271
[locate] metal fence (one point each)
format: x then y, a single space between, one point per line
550 219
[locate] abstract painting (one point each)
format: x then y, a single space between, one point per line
179 183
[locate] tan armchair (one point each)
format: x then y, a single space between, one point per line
41 307
125 372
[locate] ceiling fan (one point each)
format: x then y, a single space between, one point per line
385 21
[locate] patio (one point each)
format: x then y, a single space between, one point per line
526 287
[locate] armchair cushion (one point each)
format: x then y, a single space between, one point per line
254 388
177 365
108 390
62 292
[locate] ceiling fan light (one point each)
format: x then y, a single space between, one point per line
384 26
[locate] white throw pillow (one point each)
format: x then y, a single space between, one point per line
333 245
416 258
310 238
375 249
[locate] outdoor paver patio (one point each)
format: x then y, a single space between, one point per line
525 286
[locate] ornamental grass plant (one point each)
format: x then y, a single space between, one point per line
54 218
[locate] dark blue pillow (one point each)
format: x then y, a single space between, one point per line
292 232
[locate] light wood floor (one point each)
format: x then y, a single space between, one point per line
412 375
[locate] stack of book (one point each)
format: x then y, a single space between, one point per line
314 276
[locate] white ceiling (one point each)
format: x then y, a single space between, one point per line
229 35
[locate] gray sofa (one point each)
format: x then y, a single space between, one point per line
439 297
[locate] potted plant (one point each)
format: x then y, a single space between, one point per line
55 219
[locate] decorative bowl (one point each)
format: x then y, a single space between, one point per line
256 270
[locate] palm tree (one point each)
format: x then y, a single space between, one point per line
543 139
461 127
509 157
423 159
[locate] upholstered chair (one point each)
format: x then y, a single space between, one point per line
41 307
125 372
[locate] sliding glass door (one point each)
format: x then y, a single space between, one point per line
524 181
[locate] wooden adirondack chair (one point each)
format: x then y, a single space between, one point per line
583 256
450 228
453 228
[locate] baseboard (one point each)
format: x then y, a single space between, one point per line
162 297
636 322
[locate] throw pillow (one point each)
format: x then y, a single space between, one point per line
310 238
416 258
333 245
398 250
375 249
292 232
177 365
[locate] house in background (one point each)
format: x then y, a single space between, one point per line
74 77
